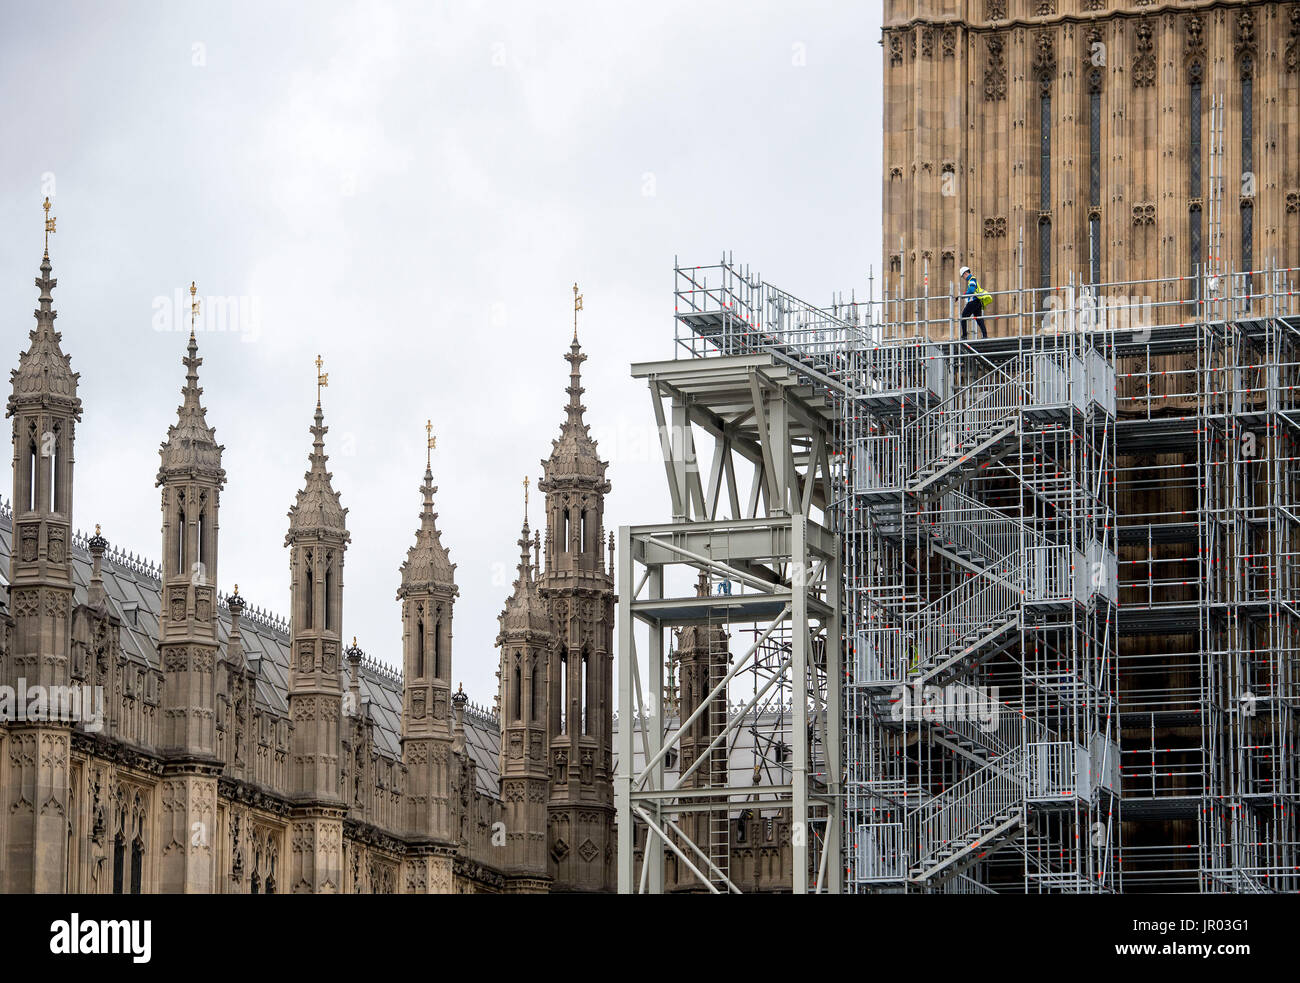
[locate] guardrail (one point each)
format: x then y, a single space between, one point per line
956 814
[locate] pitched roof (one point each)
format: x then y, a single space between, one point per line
135 595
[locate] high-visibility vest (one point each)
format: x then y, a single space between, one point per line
985 298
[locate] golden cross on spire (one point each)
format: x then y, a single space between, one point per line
194 306
49 223
322 379
577 306
432 442
525 498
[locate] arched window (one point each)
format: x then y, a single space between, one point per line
564 532
54 472
519 689
419 648
564 690
536 703
583 542
32 471
180 540
437 648
1044 196
584 696
309 589
137 864
203 540
1094 173
119 861
329 591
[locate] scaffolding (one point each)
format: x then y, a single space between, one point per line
1067 556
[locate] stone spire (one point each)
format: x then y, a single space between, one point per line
191 446
579 594
428 597
525 611
318 508
428 563
526 641
44 373
574 457
45 411
317 541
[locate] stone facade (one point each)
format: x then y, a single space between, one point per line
240 754
1115 187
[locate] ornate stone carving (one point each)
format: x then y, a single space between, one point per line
995 70
1044 59
57 550
1144 213
1144 61
1244 45
29 532
1291 57
995 227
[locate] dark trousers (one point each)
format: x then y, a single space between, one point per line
973 309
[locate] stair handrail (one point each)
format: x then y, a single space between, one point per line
960 810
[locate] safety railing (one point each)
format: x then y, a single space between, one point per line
1052 770
1055 575
881 655
966 524
954 817
881 851
1006 734
905 368
878 464
970 415
959 618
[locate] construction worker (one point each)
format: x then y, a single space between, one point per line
977 299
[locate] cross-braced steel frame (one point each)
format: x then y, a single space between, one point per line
1070 636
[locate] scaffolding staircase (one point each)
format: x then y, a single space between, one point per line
968 821
973 428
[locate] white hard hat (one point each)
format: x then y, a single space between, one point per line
963 271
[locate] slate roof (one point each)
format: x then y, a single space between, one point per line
135 595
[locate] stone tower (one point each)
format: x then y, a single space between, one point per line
527 643
703 653
45 410
427 595
317 540
579 591
1087 124
191 478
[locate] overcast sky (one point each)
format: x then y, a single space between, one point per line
411 192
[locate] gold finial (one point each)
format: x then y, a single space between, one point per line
49 223
577 306
194 306
525 498
236 590
322 378
96 528
432 442
354 641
